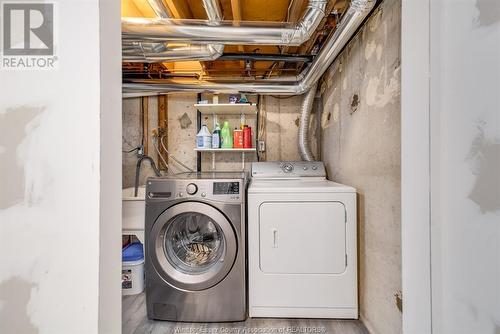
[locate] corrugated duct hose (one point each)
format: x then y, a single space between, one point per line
305 117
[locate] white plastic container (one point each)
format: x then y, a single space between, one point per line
133 277
204 138
133 270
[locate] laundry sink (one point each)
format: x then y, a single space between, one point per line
133 212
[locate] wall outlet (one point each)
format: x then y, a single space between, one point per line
140 151
262 146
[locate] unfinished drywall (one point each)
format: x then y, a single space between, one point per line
281 128
361 148
465 166
182 130
51 180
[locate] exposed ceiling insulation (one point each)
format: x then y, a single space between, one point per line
236 10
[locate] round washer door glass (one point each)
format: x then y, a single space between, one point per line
194 242
192 246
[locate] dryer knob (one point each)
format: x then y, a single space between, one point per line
191 189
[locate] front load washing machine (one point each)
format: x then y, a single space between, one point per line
302 256
195 247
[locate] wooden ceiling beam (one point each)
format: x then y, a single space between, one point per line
237 17
308 45
179 9
236 9
294 12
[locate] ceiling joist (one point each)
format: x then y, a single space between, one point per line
244 10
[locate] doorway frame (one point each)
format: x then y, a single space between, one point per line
415 167
110 168
415 170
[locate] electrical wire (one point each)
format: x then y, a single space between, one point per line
257 128
173 157
262 115
133 147
143 101
132 150
155 144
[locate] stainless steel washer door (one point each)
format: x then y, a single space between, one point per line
193 246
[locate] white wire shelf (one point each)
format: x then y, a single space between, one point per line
215 150
227 108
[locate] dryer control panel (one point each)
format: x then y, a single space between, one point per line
288 170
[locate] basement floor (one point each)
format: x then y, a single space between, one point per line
134 321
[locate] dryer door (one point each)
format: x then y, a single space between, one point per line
302 237
192 246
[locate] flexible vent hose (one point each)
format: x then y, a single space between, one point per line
305 117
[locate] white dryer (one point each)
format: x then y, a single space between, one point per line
302 253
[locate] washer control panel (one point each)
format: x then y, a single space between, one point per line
288 169
228 190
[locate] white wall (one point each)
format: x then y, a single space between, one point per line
465 165
51 181
451 166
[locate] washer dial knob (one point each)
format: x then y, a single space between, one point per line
287 168
191 189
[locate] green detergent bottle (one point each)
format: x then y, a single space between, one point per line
226 136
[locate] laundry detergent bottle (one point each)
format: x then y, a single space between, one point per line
226 136
216 140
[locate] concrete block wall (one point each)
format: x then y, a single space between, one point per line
131 138
182 130
361 147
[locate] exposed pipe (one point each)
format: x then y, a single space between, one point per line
351 21
318 109
147 52
212 9
127 75
130 47
292 58
226 32
205 52
159 8
140 159
305 117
